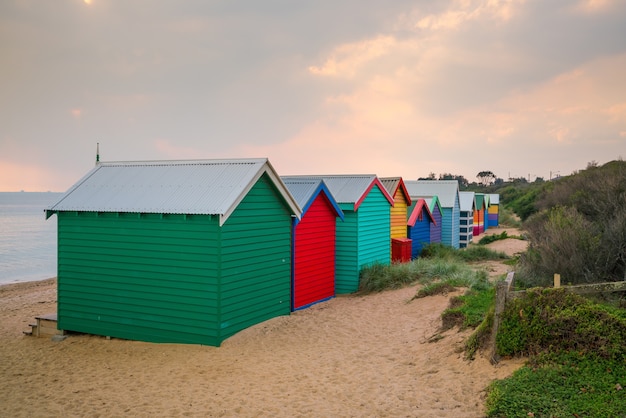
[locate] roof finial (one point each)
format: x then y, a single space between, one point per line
97 153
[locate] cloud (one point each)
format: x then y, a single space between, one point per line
463 11
594 6
347 59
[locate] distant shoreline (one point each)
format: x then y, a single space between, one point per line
27 284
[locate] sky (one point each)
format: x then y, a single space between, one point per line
522 88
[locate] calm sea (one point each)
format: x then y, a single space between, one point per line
27 241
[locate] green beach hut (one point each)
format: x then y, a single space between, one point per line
174 251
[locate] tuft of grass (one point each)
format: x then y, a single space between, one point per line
480 253
378 277
471 253
488 239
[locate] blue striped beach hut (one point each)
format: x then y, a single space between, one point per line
448 193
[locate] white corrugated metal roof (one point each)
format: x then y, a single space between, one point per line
184 187
304 190
466 201
494 199
344 188
301 189
391 184
445 190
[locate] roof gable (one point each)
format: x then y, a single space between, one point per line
305 191
395 184
207 187
348 189
446 190
494 199
466 201
480 201
421 206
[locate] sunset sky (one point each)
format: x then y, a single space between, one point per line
395 87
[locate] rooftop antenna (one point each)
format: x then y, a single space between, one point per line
97 153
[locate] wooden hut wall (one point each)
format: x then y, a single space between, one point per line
435 226
450 228
493 210
479 214
398 215
419 232
493 215
255 282
146 277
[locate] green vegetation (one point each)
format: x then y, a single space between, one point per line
507 217
471 253
555 320
577 365
433 272
564 384
579 229
488 239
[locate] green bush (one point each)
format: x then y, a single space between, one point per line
565 384
580 229
555 320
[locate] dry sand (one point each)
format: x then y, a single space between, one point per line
352 356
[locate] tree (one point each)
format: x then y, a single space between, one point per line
431 176
463 182
486 177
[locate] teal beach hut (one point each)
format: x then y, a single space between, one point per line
174 251
363 235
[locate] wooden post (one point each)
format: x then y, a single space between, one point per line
502 290
557 280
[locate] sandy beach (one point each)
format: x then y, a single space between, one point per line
352 356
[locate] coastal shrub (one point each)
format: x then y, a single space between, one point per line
577 357
580 229
563 384
555 320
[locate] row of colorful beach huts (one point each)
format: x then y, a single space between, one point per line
196 251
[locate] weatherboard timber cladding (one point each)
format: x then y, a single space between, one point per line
362 239
435 226
314 253
398 215
493 212
255 261
486 213
479 214
418 226
174 277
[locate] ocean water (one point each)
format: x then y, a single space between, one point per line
28 248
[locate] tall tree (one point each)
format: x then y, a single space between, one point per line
486 177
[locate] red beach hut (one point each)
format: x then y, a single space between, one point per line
313 242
